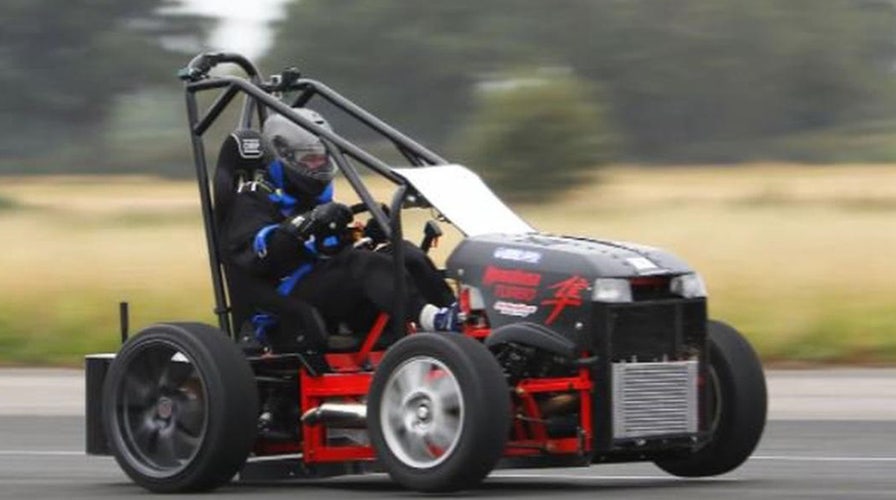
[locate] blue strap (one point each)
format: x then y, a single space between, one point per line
286 202
289 282
309 246
261 324
275 169
260 244
331 241
326 196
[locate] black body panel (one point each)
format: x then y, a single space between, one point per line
549 279
95 368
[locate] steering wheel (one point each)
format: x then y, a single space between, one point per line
369 235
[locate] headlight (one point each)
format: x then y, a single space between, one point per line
689 286
611 290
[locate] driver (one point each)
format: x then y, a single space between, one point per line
285 228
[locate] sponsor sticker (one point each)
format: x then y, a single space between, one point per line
495 275
518 255
515 309
250 147
567 293
514 292
641 264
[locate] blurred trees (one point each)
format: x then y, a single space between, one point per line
534 137
681 80
705 80
685 80
413 62
63 64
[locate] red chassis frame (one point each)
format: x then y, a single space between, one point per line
350 381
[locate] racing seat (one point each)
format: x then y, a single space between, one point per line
241 159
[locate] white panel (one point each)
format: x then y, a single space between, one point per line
462 197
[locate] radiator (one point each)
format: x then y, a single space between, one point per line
653 399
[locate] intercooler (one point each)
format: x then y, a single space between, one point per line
653 399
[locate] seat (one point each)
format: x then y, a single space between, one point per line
241 158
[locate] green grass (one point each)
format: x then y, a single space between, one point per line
798 258
7 204
60 329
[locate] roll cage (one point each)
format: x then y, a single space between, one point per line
260 98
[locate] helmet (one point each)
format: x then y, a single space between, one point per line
302 153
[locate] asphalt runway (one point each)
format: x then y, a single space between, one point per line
42 457
834 457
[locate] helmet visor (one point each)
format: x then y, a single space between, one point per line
310 162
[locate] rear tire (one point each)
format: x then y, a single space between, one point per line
180 407
438 412
737 402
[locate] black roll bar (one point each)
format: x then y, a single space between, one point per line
258 99
222 309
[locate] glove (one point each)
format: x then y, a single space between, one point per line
330 218
375 232
327 219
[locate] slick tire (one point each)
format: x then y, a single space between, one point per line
180 407
737 402
438 412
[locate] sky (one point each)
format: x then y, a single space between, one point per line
243 24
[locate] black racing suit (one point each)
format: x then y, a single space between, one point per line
349 288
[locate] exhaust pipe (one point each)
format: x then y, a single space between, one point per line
338 415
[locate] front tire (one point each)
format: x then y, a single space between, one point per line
438 412
180 407
737 403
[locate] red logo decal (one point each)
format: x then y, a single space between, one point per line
510 277
567 293
513 292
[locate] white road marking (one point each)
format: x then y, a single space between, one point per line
772 458
823 459
41 453
504 475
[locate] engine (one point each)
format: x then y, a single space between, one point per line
521 361
634 315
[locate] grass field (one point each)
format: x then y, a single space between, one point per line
799 258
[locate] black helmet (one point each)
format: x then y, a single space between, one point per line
302 153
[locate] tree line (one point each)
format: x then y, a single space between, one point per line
668 80
703 76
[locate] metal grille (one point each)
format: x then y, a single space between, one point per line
646 332
652 331
651 399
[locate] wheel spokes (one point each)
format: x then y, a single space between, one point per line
447 393
185 440
190 413
412 376
395 418
445 431
175 373
421 412
162 409
416 446
166 453
146 435
138 392
151 364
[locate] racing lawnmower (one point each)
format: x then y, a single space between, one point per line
573 351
